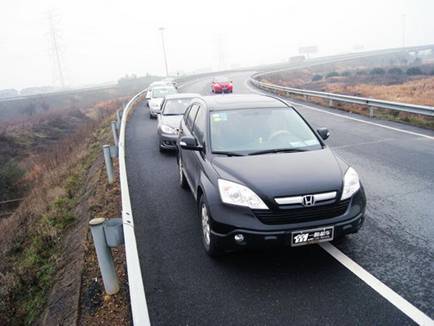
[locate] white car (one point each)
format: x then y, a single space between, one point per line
170 81
161 83
157 97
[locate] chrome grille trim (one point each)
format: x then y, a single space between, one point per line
299 199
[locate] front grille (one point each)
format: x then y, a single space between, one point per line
305 214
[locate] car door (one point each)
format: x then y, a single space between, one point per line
198 157
187 156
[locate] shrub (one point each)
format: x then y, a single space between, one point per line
395 71
346 73
361 72
332 74
377 71
432 72
10 175
316 77
413 71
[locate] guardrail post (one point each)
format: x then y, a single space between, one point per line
371 111
108 163
330 103
104 255
118 119
305 98
115 132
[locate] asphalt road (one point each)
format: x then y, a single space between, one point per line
288 286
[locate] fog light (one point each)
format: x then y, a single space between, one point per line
239 238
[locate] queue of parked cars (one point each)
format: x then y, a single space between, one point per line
260 173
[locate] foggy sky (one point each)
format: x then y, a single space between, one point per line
102 40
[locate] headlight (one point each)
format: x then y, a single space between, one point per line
351 183
168 130
236 194
155 105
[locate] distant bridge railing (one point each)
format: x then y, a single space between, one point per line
369 102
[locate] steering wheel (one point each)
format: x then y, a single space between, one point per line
278 133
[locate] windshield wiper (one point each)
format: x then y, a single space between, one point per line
172 114
278 150
227 153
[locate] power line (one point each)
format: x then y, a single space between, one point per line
55 47
161 29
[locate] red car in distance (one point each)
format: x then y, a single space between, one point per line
221 85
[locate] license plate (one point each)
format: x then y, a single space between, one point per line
305 237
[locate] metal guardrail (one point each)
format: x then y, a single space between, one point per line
371 103
139 308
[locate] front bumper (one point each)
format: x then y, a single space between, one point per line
220 90
167 141
153 112
280 238
227 221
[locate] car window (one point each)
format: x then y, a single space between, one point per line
200 124
163 91
250 130
192 115
176 106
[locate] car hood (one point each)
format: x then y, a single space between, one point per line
156 100
283 174
170 120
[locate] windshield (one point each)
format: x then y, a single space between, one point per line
176 106
248 131
162 92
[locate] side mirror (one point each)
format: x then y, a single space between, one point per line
189 143
324 133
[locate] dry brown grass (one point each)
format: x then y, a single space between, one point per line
419 91
32 235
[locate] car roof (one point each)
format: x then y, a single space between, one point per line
241 101
182 95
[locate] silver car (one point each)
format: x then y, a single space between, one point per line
172 110
157 97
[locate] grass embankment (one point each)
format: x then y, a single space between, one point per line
34 234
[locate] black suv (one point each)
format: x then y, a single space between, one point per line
262 175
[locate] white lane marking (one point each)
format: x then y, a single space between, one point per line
394 298
385 140
349 118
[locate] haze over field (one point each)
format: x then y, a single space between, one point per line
102 40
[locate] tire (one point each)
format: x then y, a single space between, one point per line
210 241
160 148
181 176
